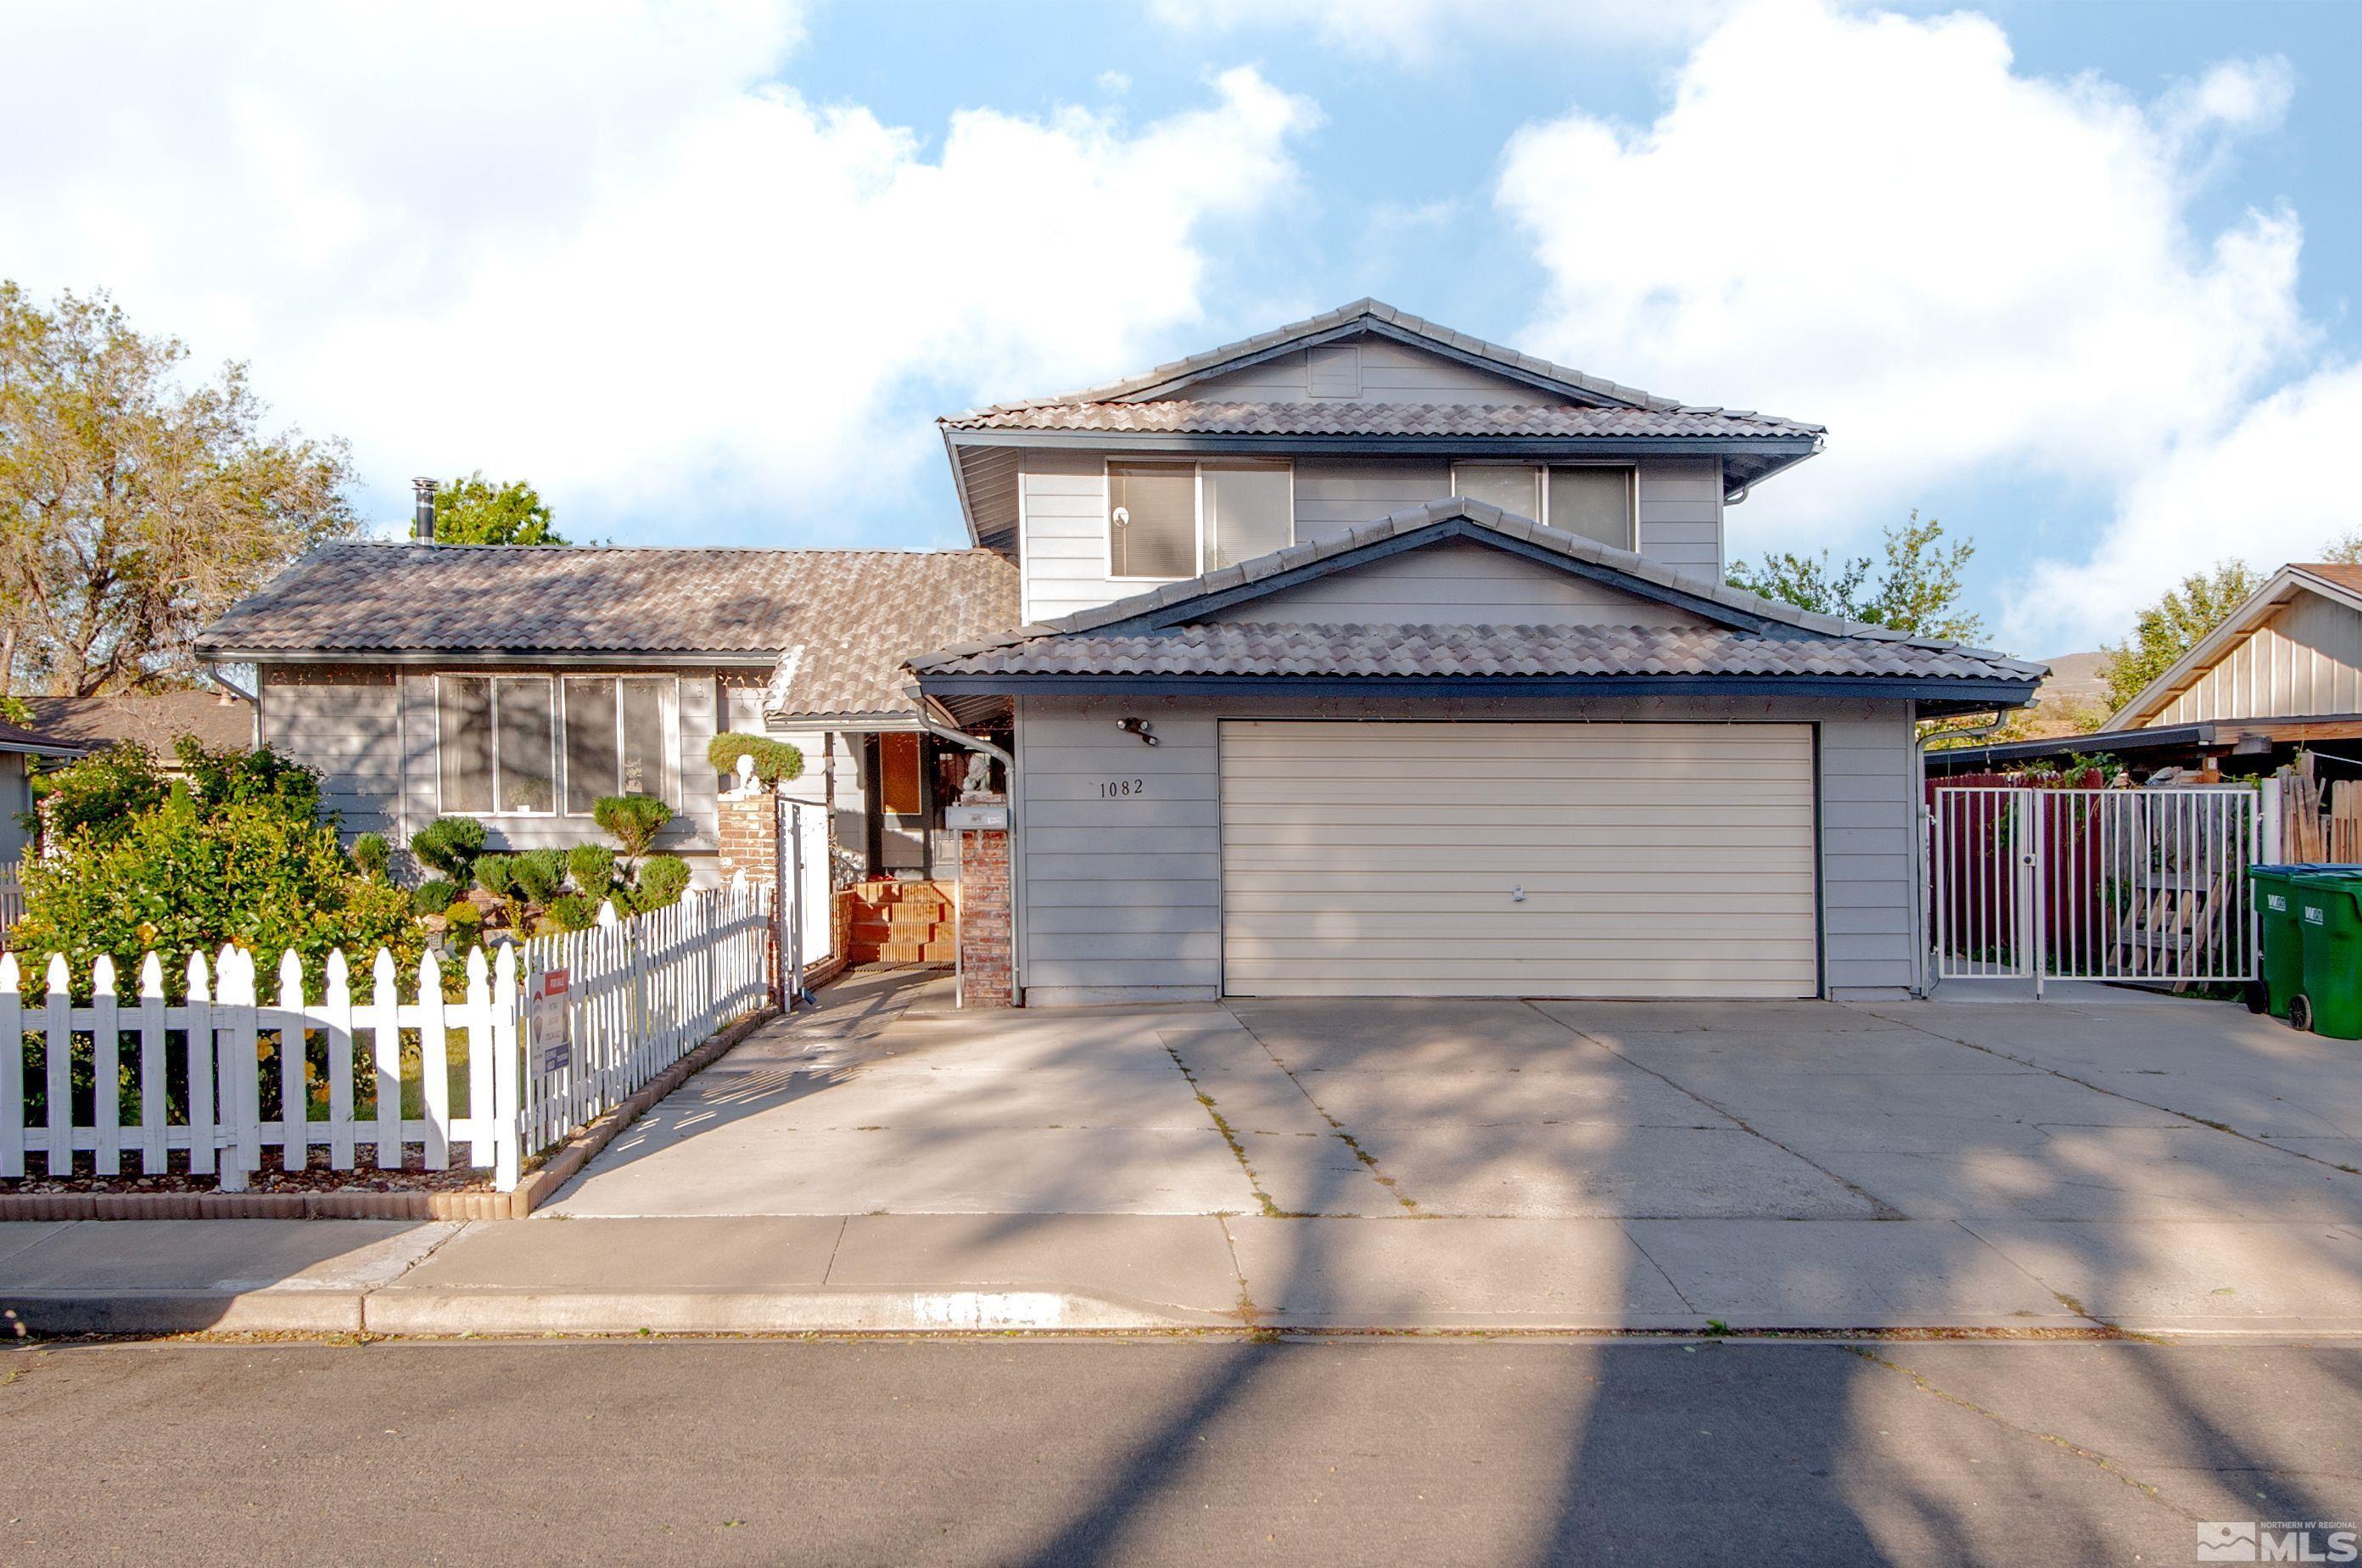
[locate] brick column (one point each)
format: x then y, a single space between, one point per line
748 833
986 911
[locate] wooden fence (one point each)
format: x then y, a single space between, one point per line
225 1074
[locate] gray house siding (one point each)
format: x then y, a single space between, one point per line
1062 522
1120 899
370 731
1457 583
2305 660
1375 369
346 723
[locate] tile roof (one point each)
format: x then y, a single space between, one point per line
2345 574
1344 416
1377 312
1242 648
156 720
369 598
848 618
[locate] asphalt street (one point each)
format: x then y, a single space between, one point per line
1168 1450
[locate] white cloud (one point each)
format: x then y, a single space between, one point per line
1875 222
602 247
2254 494
1416 32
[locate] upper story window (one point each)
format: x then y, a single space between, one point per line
1168 520
1594 499
510 746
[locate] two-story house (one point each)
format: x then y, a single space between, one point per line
1357 657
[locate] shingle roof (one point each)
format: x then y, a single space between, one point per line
1350 418
1243 649
156 720
376 598
1369 310
2343 574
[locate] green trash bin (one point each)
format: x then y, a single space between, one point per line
2329 909
2283 936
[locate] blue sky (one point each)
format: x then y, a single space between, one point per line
2076 278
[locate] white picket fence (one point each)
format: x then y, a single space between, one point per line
642 993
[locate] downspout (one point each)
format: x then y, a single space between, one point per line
1921 818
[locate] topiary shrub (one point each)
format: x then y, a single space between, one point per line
575 911
450 845
540 874
774 761
662 881
592 867
632 820
433 897
496 874
373 855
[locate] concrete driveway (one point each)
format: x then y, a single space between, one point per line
2016 1113
1925 1165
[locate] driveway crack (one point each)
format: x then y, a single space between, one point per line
1880 1207
1369 1160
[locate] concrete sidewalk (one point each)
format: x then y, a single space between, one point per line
1098 1272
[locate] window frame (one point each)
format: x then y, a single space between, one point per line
671 792
492 679
1197 466
1540 469
669 700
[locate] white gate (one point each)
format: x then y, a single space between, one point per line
2093 884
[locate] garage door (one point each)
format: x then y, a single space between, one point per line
1540 860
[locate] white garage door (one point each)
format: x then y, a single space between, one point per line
1538 860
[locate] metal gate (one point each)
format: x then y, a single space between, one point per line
2093 884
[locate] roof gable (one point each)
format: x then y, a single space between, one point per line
1364 318
1457 581
2337 587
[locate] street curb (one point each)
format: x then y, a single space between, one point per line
52 1312
537 1188
394 1311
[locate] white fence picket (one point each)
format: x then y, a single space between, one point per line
643 992
106 1070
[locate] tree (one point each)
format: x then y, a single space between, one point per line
475 511
2347 551
135 506
2173 626
1915 588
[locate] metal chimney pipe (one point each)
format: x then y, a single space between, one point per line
423 524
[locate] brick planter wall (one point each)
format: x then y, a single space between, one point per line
986 914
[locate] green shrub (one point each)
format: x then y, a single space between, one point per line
662 881
450 845
373 855
433 897
774 761
100 795
227 777
179 878
575 912
592 867
466 918
540 874
496 874
632 820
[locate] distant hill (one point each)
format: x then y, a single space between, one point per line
2073 701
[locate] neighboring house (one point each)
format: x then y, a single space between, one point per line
18 750
2282 673
156 720
520 684
1361 656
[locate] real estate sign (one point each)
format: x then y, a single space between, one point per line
551 1020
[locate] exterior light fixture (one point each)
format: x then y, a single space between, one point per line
1136 727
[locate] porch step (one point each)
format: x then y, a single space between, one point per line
943 951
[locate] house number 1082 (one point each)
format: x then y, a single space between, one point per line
1119 789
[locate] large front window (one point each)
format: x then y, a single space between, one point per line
1169 520
1594 499
504 743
